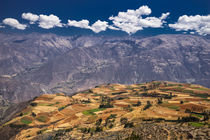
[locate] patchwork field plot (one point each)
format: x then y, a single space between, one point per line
113 107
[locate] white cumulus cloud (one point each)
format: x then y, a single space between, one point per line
50 21
113 28
197 23
31 17
81 24
14 23
44 21
99 26
132 20
164 15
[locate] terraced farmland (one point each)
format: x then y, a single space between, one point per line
114 108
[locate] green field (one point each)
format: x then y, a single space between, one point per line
195 124
197 115
26 121
91 112
42 118
173 107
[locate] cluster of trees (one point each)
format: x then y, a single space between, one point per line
188 119
126 123
154 85
86 101
205 114
155 94
91 130
169 96
109 123
105 102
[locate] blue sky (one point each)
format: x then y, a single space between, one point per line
103 17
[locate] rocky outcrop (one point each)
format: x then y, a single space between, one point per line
157 132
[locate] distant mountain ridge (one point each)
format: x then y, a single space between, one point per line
70 64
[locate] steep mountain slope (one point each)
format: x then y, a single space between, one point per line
152 110
98 60
25 52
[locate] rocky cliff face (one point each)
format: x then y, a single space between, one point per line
49 63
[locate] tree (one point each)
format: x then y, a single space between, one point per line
148 105
98 122
138 103
123 121
144 88
126 123
33 114
160 101
206 116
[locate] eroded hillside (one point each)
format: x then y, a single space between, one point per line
153 110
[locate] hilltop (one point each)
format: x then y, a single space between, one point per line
152 110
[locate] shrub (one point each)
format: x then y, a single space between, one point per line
21 114
129 125
33 114
189 119
118 93
112 116
33 104
98 129
137 104
83 130
147 106
17 125
63 107
123 121
160 101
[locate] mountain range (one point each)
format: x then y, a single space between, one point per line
33 64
